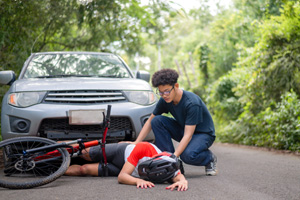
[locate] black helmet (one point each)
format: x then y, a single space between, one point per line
160 168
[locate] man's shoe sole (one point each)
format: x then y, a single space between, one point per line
212 173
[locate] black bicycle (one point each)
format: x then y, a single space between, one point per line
28 162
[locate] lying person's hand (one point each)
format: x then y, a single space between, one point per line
181 185
144 184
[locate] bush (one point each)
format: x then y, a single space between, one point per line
275 59
277 128
223 101
269 93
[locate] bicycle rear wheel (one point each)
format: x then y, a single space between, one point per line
23 171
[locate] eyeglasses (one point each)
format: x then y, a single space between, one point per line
167 93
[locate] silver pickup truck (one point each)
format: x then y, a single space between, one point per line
60 95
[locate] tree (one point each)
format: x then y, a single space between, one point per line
269 90
259 9
90 25
274 62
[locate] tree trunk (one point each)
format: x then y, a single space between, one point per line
186 75
193 69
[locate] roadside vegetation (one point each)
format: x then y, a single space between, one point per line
242 60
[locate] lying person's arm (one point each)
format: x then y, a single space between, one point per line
126 178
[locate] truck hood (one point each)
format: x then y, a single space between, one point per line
79 83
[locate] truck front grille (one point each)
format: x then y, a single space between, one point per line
84 96
60 129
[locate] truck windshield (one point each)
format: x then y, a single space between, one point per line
75 65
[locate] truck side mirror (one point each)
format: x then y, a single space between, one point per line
7 77
143 75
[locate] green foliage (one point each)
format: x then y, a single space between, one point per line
202 16
277 127
203 53
230 33
258 9
223 101
275 61
269 91
53 25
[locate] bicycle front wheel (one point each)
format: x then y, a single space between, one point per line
19 170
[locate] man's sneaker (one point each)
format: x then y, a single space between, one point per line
211 168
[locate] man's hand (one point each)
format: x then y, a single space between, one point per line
180 185
144 184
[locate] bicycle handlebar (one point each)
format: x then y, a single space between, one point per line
108 111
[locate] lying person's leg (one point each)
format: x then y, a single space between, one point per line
94 169
73 170
83 170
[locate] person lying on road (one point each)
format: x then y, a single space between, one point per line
131 163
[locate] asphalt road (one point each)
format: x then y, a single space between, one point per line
244 173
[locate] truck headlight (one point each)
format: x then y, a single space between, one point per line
25 99
141 97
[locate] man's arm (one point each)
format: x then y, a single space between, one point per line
188 134
180 182
126 178
145 130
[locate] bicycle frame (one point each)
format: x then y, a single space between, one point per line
77 148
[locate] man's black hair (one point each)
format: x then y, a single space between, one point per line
164 77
